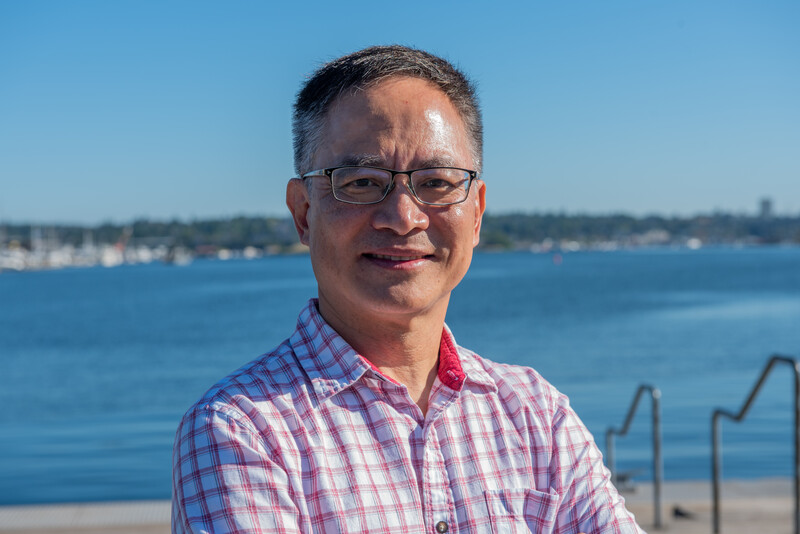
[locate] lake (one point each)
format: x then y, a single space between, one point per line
98 365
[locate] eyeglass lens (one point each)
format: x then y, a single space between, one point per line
365 185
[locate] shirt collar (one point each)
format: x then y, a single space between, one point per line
329 361
470 366
332 364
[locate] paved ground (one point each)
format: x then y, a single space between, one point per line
134 517
749 507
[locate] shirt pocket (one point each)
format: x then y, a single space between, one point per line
513 511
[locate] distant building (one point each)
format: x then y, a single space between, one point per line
765 211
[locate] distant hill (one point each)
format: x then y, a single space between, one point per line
506 231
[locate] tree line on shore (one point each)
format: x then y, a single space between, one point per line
502 231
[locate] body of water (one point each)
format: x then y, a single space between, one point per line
97 365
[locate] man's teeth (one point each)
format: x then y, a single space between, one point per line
396 258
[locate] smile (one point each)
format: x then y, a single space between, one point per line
396 258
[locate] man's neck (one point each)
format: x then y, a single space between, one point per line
406 349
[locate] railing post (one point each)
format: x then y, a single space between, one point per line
716 439
610 460
716 470
658 463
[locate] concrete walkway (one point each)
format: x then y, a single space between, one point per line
128 517
748 507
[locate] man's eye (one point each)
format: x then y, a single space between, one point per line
437 183
360 183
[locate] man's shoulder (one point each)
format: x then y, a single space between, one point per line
287 382
504 373
517 383
274 375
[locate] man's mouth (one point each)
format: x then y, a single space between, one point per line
396 258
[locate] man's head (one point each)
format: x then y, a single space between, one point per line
364 68
400 256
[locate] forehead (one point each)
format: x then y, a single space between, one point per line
396 120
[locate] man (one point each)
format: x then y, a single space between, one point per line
370 416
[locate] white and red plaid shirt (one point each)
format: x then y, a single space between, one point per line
312 438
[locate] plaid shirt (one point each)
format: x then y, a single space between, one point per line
313 438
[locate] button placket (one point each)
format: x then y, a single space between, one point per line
440 500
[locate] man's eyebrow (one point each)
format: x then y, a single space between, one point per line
373 160
439 161
362 160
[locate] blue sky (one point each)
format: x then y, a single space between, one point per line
120 110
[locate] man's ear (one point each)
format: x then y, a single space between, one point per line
480 207
297 202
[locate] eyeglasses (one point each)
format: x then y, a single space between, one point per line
436 186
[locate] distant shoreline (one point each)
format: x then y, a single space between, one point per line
513 230
31 247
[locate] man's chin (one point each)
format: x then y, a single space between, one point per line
395 302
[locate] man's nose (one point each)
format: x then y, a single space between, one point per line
400 211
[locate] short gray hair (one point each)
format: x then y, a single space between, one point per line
368 67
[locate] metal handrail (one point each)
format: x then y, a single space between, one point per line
658 464
716 461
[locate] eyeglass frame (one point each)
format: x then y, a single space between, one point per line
328 171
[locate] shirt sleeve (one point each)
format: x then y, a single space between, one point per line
225 481
589 501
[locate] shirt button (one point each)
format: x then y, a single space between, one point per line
441 527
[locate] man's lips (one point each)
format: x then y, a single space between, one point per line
398 258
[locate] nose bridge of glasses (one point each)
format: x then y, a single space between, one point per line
408 183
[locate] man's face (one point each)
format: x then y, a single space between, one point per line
399 257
